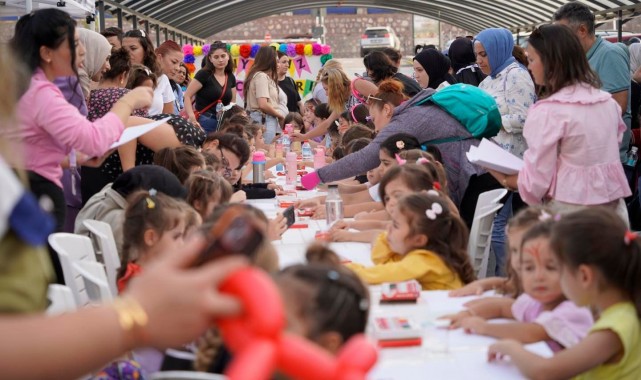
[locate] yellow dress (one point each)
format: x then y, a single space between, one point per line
421 265
623 320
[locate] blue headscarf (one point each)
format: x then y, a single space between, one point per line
498 44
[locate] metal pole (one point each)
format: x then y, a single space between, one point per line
101 14
173 35
28 5
157 35
147 26
180 37
134 21
119 16
620 26
166 34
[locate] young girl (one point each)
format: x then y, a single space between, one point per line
206 190
396 183
425 242
601 268
181 161
154 223
542 312
516 228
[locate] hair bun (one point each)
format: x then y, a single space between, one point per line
391 86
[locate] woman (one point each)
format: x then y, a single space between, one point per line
261 92
461 53
182 77
573 131
96 59
46 40
342 94
287 84
380 67
318 93
431 69
511 86
141 51
170 56
214 83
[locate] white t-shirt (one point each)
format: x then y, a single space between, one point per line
373 192
282 103
162 94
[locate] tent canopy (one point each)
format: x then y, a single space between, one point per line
204 18
77 8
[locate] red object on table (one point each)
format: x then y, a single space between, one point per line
400 343
299 225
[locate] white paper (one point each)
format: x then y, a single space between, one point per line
492 156
132 133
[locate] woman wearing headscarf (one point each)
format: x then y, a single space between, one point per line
463 60
432 69
98 51
513 90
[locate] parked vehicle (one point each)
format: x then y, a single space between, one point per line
379 37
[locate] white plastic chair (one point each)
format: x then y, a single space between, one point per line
488 199
95 281
61 298
73 248
481 238
106 246
185 375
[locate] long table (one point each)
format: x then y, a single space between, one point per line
442 354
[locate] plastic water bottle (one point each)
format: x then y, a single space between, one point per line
308 155
333 206
287 143
279 147
633 157
291 168
319 158
219 106
258 162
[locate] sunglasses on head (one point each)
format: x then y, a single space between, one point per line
136 33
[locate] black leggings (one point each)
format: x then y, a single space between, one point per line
42 187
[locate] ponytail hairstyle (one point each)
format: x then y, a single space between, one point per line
427 160
446 233
414 176
180 161
399 142
149 59
597 237
205 186
328 297
119 63
390 91
338 89
138 75
147 210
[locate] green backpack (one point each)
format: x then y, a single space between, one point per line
474 108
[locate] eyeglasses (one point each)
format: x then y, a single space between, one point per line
371 97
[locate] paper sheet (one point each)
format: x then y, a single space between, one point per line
492 156
132 133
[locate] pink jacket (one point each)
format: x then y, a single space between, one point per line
573 149
50 127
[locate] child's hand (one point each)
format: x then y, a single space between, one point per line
277 227
455 319
474 325
238 197
340 235
501 349
339 225
472 289
308 203
361 215
273 186
319 212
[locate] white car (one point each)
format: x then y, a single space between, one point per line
379 37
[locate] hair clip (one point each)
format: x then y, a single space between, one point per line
434 211
368 118
433 193
399 159
150 203
422 160
363 305
333 275
629 237
436 185
400 144
544 216
142 33
153 192
557 217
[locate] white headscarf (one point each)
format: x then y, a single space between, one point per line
98 49
635 57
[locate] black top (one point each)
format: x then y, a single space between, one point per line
470 75
212 89
410 86
293 97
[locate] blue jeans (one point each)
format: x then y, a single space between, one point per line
498 237
209 122
271 125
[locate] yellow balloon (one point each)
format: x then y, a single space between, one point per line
234 50
275 45
198 50
308 49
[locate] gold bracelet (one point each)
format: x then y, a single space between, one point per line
131 316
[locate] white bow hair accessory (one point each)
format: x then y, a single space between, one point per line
435 210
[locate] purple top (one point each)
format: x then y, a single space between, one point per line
567 324
426 123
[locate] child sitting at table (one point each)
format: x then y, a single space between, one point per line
154 223
542 312
206 190
425 242
517 226
600 268
396 183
